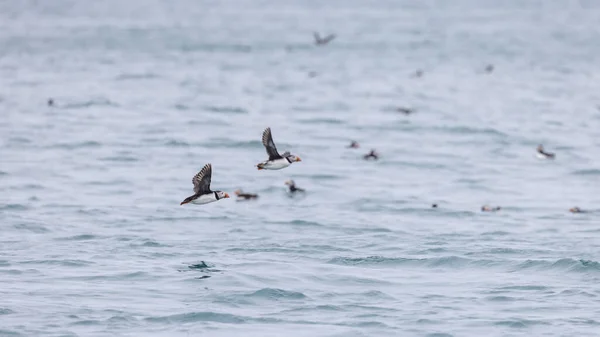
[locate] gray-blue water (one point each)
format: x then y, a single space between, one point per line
93 241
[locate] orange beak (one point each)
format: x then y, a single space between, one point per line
298 159
184 202
226 195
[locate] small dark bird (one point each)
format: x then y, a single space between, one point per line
434 206
353 145
50 102
543 154
489 68
406 111
292 186
418 73
371 155
576 210
490 209
245 196
323 41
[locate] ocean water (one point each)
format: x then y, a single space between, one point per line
93 241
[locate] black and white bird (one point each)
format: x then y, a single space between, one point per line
202 193
487 208
543 154
276 161
353 145
323 41
292 186
371 155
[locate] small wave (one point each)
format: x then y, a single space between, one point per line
9 333
77 145
527 287
588 172
87 322
13 207
90 103
465 130
2 173
276 294
206 316
81 237
123 159
125 77
319 121
439 334
520 323
65 263
567 264
226 109
176 143
447 261
6 311
501 299
34 228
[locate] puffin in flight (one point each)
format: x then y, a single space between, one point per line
543 154
276 161
323 41
202 193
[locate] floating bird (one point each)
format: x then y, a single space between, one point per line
406 111
275 161
293 188
489 68
50 102
576 210
418 73
245 196
544 155
353 145
202 193
371 155
490 209
434 206
323 41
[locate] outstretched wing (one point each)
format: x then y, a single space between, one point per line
317 37
267 140
202 180
328 38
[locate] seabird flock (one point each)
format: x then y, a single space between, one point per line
276 161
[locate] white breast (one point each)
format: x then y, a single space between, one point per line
277 164
204 199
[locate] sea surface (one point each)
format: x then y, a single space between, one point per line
93 241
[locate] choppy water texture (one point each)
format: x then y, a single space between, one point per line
93 241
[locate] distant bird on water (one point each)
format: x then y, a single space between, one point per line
489 209
543 154
276 161
202 193
418 73
489 68
50 102
353 145
245 196
323 41
576 210
371 155
406 111
292 186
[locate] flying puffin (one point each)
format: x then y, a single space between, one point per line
372 155
293 188
543 154
245 196
276 161
576 210
202 193
323 41
406 111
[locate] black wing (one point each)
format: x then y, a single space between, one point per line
328 38
202 180
267 141
317 37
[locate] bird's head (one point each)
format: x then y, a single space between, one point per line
222 195
294 158
540 148
290 183
238 192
